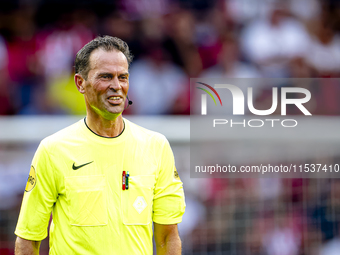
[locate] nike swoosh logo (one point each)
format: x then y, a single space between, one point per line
74 167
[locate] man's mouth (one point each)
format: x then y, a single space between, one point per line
115 100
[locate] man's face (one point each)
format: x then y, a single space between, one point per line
107 83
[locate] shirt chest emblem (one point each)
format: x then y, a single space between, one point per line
74 167
140 204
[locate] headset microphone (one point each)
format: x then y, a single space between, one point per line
129 102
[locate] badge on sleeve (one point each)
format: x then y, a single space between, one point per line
31 181
176 176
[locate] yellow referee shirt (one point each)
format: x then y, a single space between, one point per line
77 175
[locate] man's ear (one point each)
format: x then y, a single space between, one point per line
80 83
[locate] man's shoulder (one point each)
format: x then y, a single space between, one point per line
140 132
67 133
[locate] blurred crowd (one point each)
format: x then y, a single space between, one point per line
266 217
172 41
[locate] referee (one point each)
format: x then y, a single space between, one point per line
105 179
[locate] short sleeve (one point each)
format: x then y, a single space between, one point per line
39 198
169 202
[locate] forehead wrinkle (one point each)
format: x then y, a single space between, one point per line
96 57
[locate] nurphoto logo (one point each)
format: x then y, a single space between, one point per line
239 104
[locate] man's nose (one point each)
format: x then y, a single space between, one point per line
115 84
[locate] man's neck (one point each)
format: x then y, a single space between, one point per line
104 127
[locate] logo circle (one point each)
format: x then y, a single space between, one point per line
31 180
